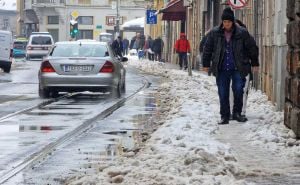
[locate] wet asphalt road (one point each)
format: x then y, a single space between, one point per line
22 135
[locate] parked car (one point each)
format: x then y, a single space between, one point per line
5 50
19 47
81 66
39 45
106 37
40 33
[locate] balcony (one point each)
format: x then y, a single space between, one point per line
49 3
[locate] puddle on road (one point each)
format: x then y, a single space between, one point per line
60 108
35 128
121 132
8 98
52 113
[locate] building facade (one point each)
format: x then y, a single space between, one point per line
292 88
93 16
8 20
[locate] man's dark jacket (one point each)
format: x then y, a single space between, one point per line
117 47
243 46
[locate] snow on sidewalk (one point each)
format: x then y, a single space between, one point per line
184 149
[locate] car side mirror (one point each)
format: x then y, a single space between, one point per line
124 59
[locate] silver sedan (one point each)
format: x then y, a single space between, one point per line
81 66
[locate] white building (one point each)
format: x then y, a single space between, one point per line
8 15
94 16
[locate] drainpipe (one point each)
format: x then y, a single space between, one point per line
188 7
256 37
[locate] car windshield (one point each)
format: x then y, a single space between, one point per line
20 45
79 50
41 40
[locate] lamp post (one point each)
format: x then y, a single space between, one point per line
188 4
118 19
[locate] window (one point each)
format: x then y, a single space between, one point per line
111 20
53 20
84 2
76 50
85 34
41 40
5 24
85 20
54 33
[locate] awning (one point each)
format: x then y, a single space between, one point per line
174 11
30 17
135 25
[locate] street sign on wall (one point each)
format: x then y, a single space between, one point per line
151 17
75 14
237 3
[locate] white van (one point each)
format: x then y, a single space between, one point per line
6 47
39 45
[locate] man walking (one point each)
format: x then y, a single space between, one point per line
230 48
182 47
117 47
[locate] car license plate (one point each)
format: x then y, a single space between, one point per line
77 68
37 48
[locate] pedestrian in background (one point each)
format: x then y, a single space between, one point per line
158 46
148 48
182 48
201 48
117 46
230 49
125 42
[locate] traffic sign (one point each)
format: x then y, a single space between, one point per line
237 3
151 17
75 14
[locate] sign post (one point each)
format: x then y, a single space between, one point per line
75 14
237 3
151 17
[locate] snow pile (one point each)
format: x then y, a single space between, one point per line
183 150
267 129
151 67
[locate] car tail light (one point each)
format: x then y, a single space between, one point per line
46 67
108 67
11 53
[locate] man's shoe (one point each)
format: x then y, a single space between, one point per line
239 118
224 121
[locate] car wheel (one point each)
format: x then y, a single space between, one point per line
54 94
7 69
44 93
116 92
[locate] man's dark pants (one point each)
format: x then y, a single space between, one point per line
238 84
183 59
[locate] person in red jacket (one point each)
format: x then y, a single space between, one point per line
182 47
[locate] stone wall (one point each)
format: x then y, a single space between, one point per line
292 88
